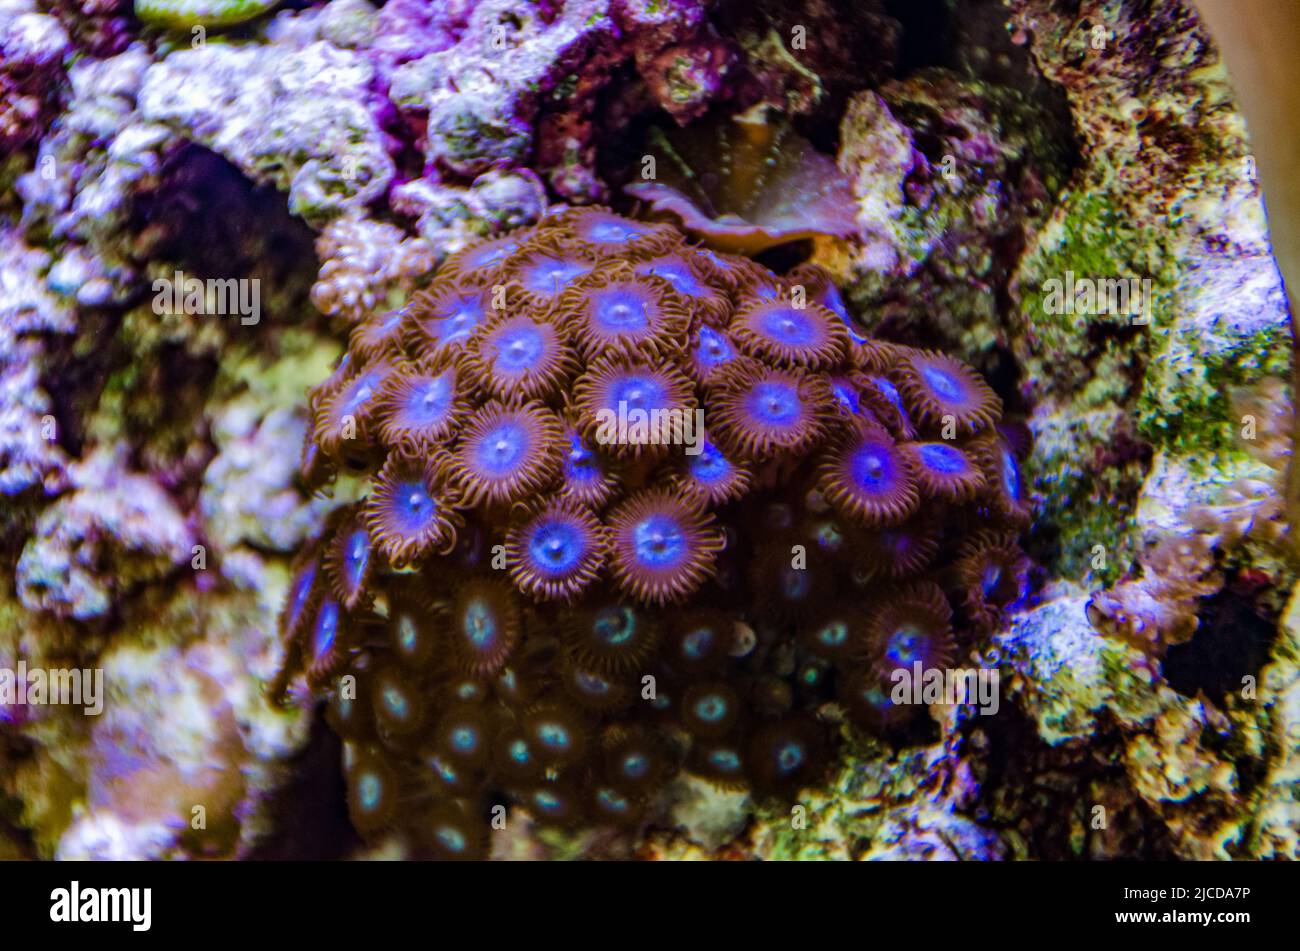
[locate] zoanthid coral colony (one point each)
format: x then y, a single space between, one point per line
525 609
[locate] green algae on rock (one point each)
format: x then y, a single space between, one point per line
184 14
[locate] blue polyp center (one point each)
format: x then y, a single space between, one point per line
847 394
710 465
659 542
446 772
395 702
872 467
724 761
429 402
635 765
451 839
620 311
832 301
480 624
490 254
520 348
362 389
615 626
554 736
580 464
990 579
302 589
326 628
713 350
829 536
609 231
711 708
789 757
519 753
889 391
697 643
371 791
795 583
460 316
357 555
945 385
676 274
547 801
612 800
557 547
638 392
942 458
408 635
551 275
1010 476
592 683
906 645
464 739
415 506
834 635
503 448
774 403
789 326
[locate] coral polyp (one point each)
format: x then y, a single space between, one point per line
505 452
761 411
411 512
791 334
867 478
420 408
616 310
662 546
556 551
634 508
519 356
941 387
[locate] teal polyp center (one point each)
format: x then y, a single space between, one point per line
480 624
